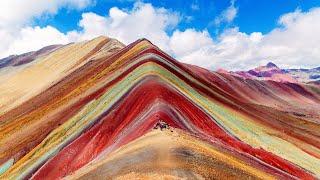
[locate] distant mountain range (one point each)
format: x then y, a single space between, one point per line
272 72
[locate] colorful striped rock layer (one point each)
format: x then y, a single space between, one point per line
99 110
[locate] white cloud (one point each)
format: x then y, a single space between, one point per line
36 38
232 49
227 15
294 43
16 12
143 21
16 17
183 43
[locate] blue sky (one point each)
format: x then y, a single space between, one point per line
253 16
230 34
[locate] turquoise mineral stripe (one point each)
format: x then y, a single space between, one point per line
5 166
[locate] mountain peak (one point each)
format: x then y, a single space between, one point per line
271 65
102 101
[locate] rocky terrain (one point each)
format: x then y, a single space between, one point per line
99 109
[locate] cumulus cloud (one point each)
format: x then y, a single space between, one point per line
188 41
293 43
143 21
36 38
16 17
16 12
227 15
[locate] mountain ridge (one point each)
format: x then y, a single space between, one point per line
272 72
113 100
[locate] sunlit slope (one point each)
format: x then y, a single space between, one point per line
169 154
36 76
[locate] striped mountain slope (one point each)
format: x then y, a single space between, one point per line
97 120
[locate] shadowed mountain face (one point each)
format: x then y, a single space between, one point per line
100 110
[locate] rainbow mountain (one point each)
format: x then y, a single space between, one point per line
101 110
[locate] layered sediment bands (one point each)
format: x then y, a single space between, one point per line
170 154
17 60
100 116
31 79
288 97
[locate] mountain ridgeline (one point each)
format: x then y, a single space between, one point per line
99 110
